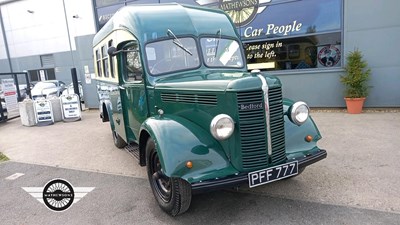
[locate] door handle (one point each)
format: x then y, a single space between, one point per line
122 88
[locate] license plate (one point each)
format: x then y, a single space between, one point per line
272 174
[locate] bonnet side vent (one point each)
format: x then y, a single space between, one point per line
201 99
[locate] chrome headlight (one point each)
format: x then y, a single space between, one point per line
299 113
222 127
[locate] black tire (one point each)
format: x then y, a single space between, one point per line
118 141
172 194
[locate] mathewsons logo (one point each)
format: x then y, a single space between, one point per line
58 194
242 12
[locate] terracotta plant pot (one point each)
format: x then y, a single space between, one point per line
354 105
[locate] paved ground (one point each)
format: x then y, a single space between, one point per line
358 183
128 200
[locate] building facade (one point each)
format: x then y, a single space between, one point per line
303 42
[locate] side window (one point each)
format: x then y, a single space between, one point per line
111 59
105 61
98 64
133 64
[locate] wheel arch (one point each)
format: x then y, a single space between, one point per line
179 140
144 136
105 112
295 135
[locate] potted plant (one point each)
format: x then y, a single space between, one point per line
355 80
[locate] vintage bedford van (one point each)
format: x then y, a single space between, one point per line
173 83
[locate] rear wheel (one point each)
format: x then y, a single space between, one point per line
118 141
172 194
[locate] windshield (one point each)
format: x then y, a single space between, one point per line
220 52
172 55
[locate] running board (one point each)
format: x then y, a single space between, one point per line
133 150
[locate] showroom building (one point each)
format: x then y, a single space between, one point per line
303 42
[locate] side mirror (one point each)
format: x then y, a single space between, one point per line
112 51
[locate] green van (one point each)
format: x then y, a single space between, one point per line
174 85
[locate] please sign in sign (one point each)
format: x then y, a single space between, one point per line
70 107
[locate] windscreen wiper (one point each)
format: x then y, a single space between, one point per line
177 42
217 42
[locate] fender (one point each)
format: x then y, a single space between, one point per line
179 140
106 111
295 135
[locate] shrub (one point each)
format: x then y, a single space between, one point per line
357 76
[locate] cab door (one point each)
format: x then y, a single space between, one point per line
113 88
133 91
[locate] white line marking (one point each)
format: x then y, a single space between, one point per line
14 176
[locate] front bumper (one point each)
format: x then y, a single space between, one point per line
236 180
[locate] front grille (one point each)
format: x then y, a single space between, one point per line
253 128
277 125
252 131
189 98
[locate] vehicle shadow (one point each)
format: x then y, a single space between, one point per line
232 207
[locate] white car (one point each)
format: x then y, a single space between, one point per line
48 88
70 90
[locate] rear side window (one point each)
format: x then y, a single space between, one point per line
98 64
105 61
111 60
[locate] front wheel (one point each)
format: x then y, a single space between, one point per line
172 194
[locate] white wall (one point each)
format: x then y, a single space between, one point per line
44 30
3 54
374 28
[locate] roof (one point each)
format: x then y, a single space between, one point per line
149 22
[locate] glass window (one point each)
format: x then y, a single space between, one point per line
98 64
133 64
110 44
294 18
104 14
172 55
314 51
220 52
101 3
136 2
105 61
286 35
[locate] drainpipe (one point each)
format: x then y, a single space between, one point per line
5 41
